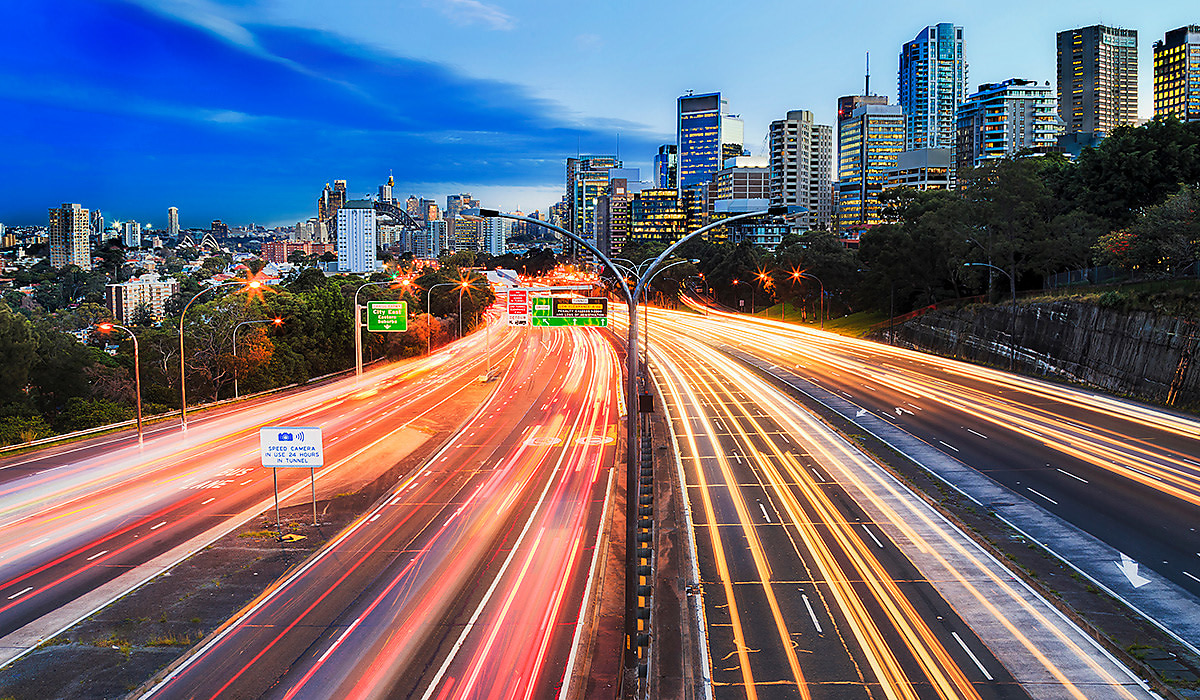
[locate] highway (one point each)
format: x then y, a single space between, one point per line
82 523
806 558
471 579
1125 474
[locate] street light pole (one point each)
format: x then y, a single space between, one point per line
1012 323
631 424
137 376
254 284
798 275
429 314
276 321
358 350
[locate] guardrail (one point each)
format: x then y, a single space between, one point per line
67 437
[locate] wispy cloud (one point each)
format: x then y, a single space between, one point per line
197 115
474 12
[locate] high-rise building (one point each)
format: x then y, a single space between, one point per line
706 135
412 205
933 83
869 141
666 166
385 191
219 228
493 230
742 177
1177 74
922 169
1003 119
587 179
656 216
801 157
429 243
149 292
463 234
173 222
1097 79
131 234
70 237
331 200
356 236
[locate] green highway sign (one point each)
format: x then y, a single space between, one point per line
387 316
551 312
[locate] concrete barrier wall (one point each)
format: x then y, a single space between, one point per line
1138 354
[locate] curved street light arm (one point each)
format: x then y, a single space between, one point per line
182 365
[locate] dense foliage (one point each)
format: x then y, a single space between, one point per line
51 382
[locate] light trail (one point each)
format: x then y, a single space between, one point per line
71 528
507 510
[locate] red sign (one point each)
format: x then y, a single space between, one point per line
518 302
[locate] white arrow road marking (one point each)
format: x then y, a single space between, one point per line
1129 567
861 412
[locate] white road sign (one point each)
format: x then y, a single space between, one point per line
291 447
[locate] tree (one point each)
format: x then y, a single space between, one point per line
1134 168
17 347
1162 239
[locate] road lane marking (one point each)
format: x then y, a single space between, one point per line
948 445
97 555
1197 580
764 512
209 501
37 542
159 525
20 593
1042 495
872 535
1184 459
247 481
985 437
812 614
1080 478
963 644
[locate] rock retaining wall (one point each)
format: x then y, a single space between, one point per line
1139 354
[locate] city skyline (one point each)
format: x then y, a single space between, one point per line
243 111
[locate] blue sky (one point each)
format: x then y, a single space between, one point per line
243 109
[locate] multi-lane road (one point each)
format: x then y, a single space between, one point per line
471 579
820 575
82 524
823 577
1110 485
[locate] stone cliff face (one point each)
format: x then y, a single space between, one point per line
1139 354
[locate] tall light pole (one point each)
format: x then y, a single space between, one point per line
137 375
763 277
1012 323
429 315
253 284
631 423
798 275
276 321
358 325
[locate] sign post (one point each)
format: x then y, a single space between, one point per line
292 447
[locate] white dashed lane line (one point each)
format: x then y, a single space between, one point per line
1077 478
97 555
1033 491
18 594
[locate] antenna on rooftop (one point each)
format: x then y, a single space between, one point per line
867 82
